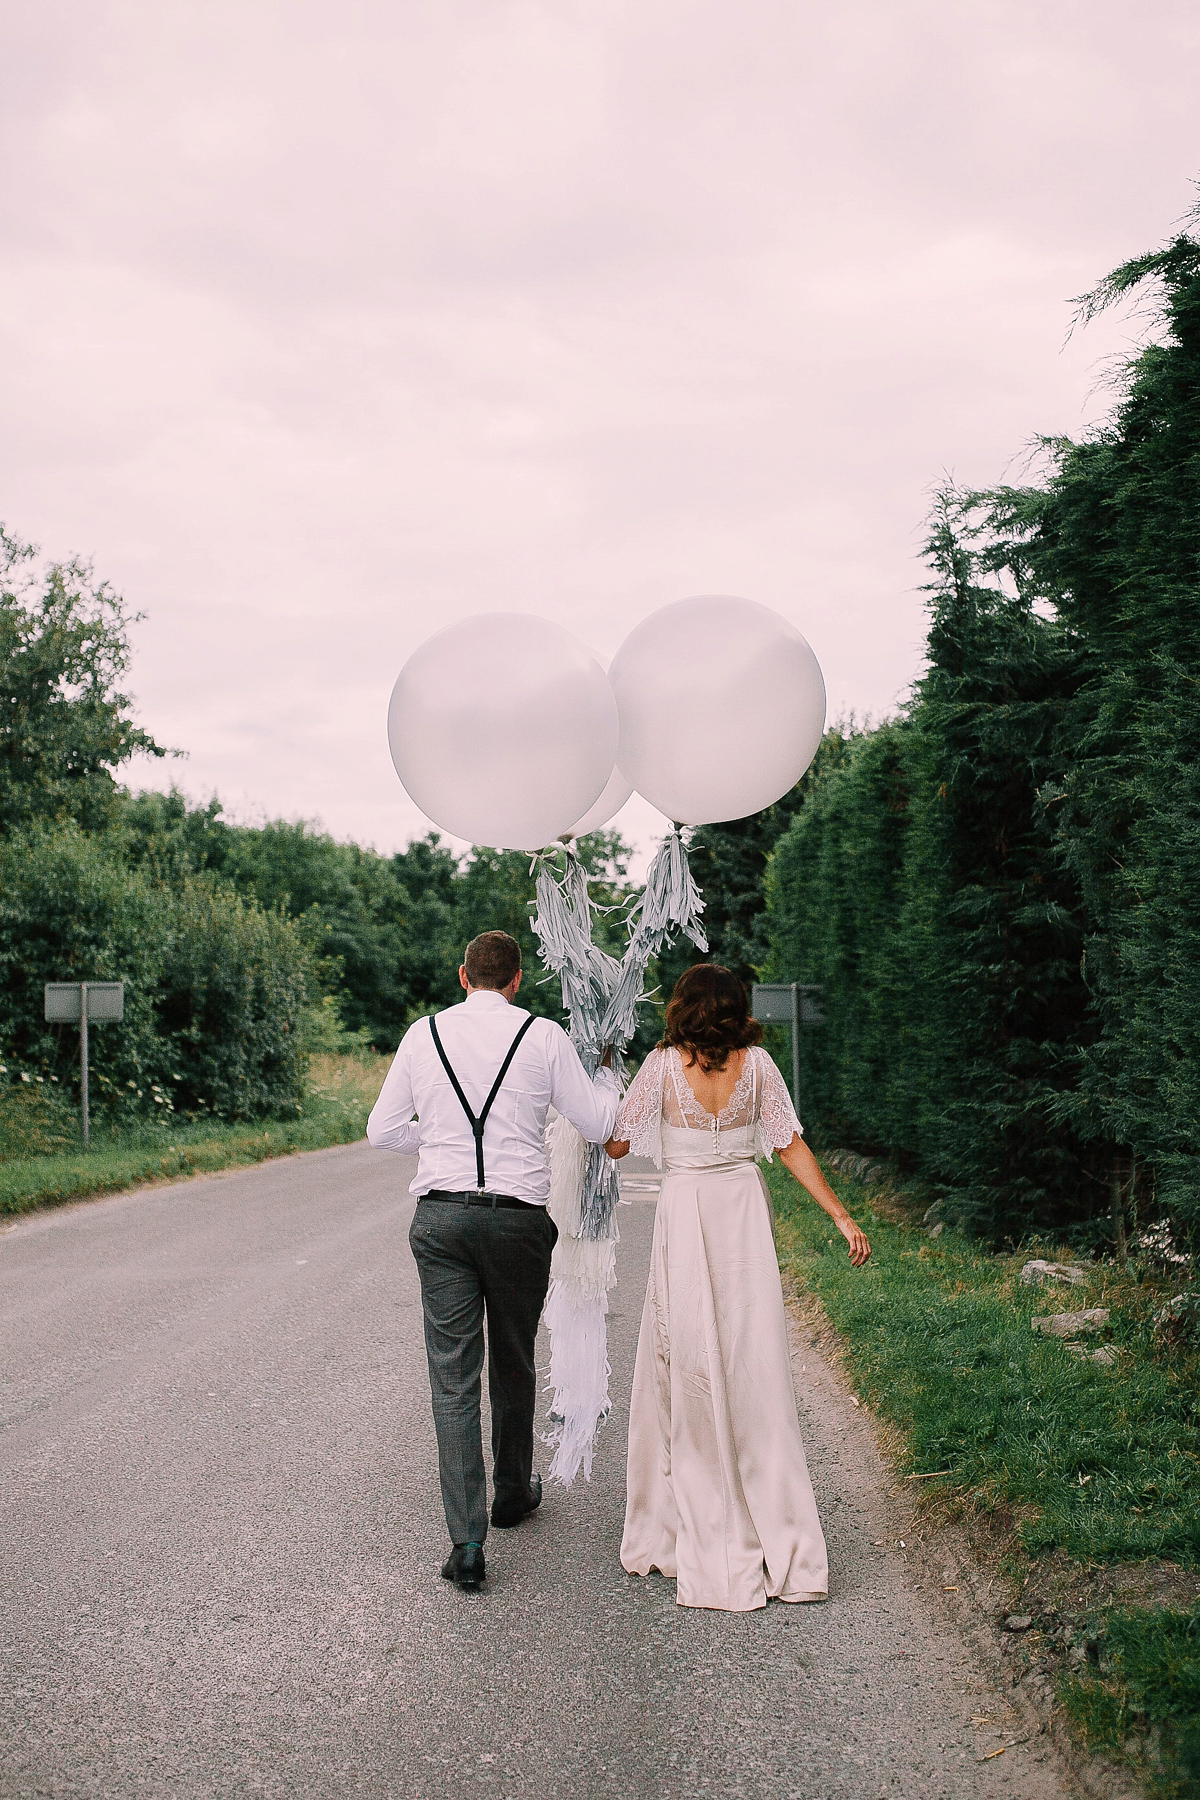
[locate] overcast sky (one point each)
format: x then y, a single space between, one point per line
324 325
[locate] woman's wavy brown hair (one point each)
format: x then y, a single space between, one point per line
708 1015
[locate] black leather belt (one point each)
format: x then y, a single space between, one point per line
480 1197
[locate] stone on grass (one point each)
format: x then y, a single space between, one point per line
1018 1622
1106 1355
1038 1272
1072 1324
859 1168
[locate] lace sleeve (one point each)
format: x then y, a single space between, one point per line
639 1116
777 1121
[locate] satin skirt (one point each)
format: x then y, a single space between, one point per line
719 1495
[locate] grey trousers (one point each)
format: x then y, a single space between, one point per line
473 1261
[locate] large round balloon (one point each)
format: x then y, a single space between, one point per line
616 791
722 707
503 729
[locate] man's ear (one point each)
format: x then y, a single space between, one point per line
462 976
516 983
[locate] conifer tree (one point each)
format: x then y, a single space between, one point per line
1112 539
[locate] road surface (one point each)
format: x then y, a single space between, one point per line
222 1535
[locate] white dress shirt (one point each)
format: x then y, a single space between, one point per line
545 1072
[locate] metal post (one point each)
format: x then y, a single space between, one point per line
83 1058
796 1049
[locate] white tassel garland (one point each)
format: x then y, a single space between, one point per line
601 996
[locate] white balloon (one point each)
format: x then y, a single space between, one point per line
722 707
616 793
503 729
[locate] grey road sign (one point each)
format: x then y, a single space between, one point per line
788 1003
774 1002
105 1000
84 1003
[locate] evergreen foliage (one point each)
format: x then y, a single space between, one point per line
834 908
730 862
1112 541
996 892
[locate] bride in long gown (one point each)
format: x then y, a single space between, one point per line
718 1489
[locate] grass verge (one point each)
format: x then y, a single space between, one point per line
1074 1466
1141 1702
341 1092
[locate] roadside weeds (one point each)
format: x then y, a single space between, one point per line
1043 1491
341 1092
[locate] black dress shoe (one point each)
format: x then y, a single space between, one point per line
465 1567
509 1512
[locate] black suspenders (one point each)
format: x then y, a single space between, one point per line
477 1124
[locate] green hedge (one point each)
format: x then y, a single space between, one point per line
215 987
997 892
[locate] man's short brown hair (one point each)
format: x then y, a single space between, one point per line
492 959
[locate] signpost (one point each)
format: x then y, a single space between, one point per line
92 1002
784 1003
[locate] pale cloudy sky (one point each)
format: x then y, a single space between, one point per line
326 325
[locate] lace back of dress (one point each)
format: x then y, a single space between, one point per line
683 1112
660 1097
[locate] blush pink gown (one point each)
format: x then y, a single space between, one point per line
719 1495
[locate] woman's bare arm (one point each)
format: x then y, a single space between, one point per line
801 1162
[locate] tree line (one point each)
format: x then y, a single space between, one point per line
997 890
243 948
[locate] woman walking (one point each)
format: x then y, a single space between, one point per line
718 1494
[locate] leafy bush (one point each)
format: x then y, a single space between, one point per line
214 986
230 1002
70 912
36 1117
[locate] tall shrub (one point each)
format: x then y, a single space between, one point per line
1112 541
230 1000
834 897
920 887
70 912
214 985
993 919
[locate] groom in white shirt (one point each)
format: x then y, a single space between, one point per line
481 1078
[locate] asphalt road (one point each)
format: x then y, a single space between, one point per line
222 1535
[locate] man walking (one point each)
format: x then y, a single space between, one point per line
481 1078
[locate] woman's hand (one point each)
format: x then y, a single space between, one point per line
859 1247
616 1149
801 1162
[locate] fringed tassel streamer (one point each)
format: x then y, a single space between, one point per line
601 996
579 1372
582 1272
601 1192
671 901
563 925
